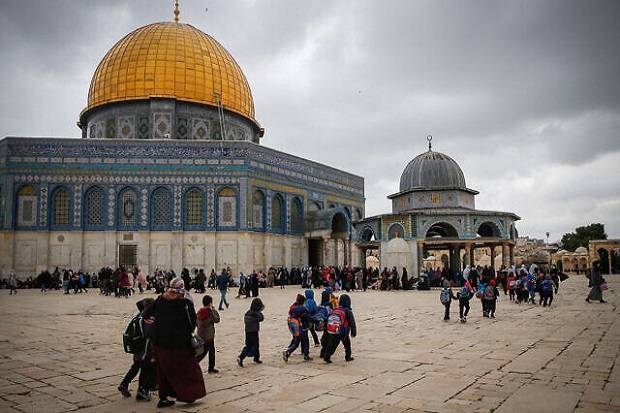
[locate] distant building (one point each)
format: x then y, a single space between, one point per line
434 211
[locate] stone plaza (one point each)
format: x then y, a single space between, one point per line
64 353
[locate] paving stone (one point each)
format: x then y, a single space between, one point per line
406 358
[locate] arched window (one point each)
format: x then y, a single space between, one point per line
194 201
227 207
94 207
127 208
277 217
160 207
297 218
396 231
60 207
27 206
258 209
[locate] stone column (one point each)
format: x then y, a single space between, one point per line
335 252
472 259
420 264
493 260
609 255
512 254
325 250
505 254
455 259
345 252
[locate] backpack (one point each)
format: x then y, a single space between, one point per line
546 285
134 339
444 296
320 318
335 321
489 294
512 284
465 293
294 326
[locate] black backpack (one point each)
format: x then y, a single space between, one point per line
134 339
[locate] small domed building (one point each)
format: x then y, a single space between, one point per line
434 210
170 173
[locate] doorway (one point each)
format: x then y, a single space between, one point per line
314 252
128 256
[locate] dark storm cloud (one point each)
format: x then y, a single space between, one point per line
525 95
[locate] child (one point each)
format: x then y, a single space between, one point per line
142 359
298 322
490 296
466 293
321 317
446 296
206 318
312 311
546 291
482 287
252 319
512 283
339 323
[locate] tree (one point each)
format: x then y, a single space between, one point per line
580 237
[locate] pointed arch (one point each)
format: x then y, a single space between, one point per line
297 216
277 214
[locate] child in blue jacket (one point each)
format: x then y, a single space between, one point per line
298 320
313 309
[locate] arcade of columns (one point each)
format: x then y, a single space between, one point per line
455 247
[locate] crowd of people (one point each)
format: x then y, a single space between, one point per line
168 338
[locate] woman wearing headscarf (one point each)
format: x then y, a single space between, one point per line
596 293
178 372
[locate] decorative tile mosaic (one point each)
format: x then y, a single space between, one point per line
200 129
77 205
127 127
143 127
162 125
182 128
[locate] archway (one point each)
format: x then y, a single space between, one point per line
396 230
340 224
442 230
488 230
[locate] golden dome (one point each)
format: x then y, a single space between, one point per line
171 60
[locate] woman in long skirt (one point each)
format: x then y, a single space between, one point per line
178 372
596 280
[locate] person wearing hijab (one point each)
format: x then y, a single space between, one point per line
178 372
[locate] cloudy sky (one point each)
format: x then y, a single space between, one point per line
524 95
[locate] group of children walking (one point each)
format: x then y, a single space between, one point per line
333 318
487 292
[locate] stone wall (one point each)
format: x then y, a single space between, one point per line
30 252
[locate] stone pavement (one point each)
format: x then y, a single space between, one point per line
63 353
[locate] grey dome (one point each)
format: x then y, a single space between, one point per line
432 170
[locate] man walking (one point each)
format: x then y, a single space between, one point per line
222 285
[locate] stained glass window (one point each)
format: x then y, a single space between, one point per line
161 207
276 214
60 207
94 206
128 208
258 206
297 219
193 207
